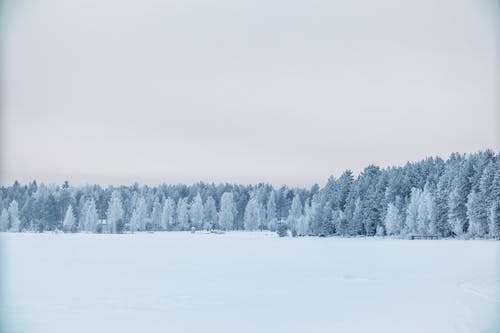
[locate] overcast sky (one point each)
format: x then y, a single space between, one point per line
280 91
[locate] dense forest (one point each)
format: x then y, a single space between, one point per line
458 197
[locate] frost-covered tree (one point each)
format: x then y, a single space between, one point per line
196 212
295 214
251 218
411 222
393 221
457 200
15 222
137 220
340 222
479 206
494 211
494 220
115 213
210 220
183 214
271 219
478 217
168 214
227 212
356 224
156 214
4 220
455 218
426 213
303 226
69 220
89 218
442 194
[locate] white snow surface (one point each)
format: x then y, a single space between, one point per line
246 282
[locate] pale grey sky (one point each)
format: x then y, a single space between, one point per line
108 91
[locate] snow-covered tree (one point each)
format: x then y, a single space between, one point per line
478 217
303 226
340 222
210 220
411 222
271 212
227 212
196 212
393 221
15 223
69 220
156 214
183 214
426 213
494 220
295 214
137 220
305 220
115 212
494 211
251 218
457 200
4 220
168 214
356 224
88 218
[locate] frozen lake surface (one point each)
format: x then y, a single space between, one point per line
246 282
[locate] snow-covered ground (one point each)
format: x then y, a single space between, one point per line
246 282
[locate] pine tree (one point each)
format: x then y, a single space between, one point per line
50 213
457 201
443 227
344 185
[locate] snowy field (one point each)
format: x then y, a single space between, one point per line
246 282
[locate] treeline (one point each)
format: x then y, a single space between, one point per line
459 197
